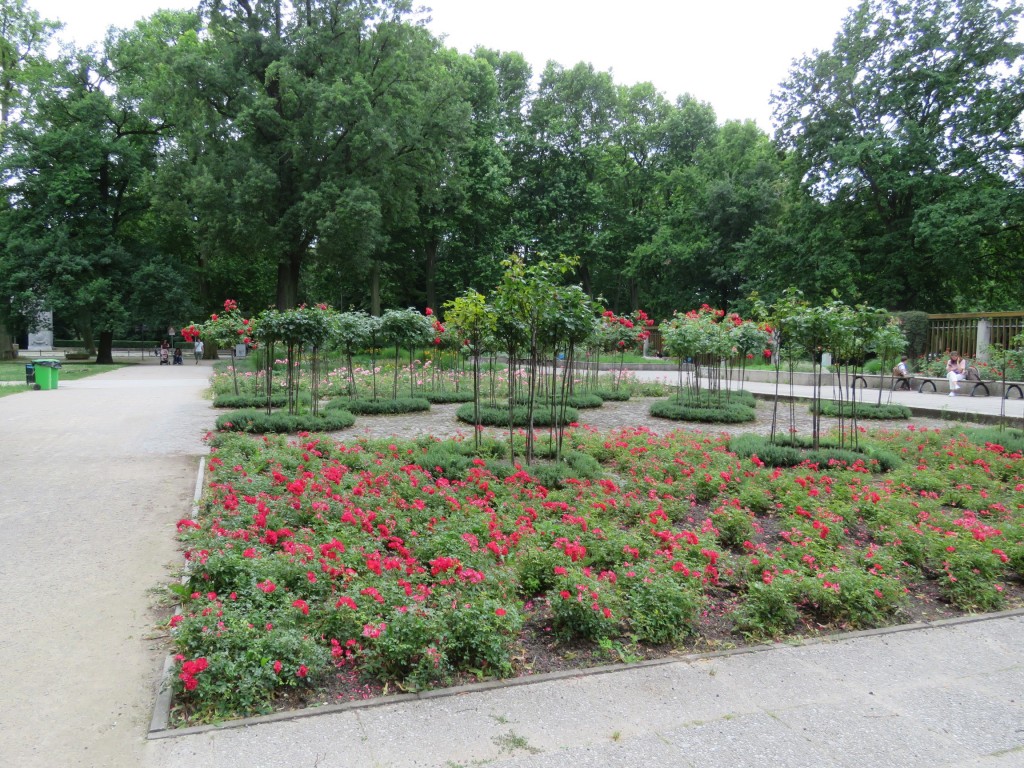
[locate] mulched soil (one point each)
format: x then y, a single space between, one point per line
539 650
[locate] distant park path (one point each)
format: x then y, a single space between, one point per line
95 475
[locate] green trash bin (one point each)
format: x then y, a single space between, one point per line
47 373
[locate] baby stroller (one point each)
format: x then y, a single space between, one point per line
164 356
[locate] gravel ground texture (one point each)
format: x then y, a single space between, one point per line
440 421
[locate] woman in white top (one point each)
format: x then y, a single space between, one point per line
956 369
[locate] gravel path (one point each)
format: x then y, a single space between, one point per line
95 475
440 421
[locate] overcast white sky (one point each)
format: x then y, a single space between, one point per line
730 53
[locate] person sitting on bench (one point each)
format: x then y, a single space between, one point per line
956 370
901 373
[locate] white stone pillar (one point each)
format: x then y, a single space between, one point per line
983 339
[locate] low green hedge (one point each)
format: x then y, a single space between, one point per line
792 451
584 400
1009 438
260 422
614 395
708 408
380 407
249 401
733 413
442 396
580 400
498 416
863 410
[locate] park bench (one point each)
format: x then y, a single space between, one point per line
930 383
933 381
902 382
974 382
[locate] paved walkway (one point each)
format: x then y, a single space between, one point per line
937 405
95 475
98 472
945 696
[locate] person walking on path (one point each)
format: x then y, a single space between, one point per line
198 350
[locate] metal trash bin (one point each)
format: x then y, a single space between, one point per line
47 373
30 374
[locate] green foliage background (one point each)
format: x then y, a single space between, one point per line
284 153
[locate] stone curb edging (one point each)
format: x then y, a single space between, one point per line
943 414
161 729
164 696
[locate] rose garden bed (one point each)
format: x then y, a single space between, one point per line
321 571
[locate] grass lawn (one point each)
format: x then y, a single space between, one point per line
14 370
13 389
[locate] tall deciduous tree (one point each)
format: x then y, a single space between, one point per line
715 191
23 39
310 126
571 120
74 234
909 131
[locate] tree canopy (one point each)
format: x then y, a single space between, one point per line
287 152
908 132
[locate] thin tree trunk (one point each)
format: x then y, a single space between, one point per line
431 270
375 290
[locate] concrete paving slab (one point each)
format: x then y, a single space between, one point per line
620 753
1005 682
857 732
785 675
748 741
335 743
1010 759
889 661
978 721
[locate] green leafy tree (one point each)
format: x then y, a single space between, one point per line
468 316
908 131
565 174
309 128
408 329
23 39
729 186
24 36
351 334
74 235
